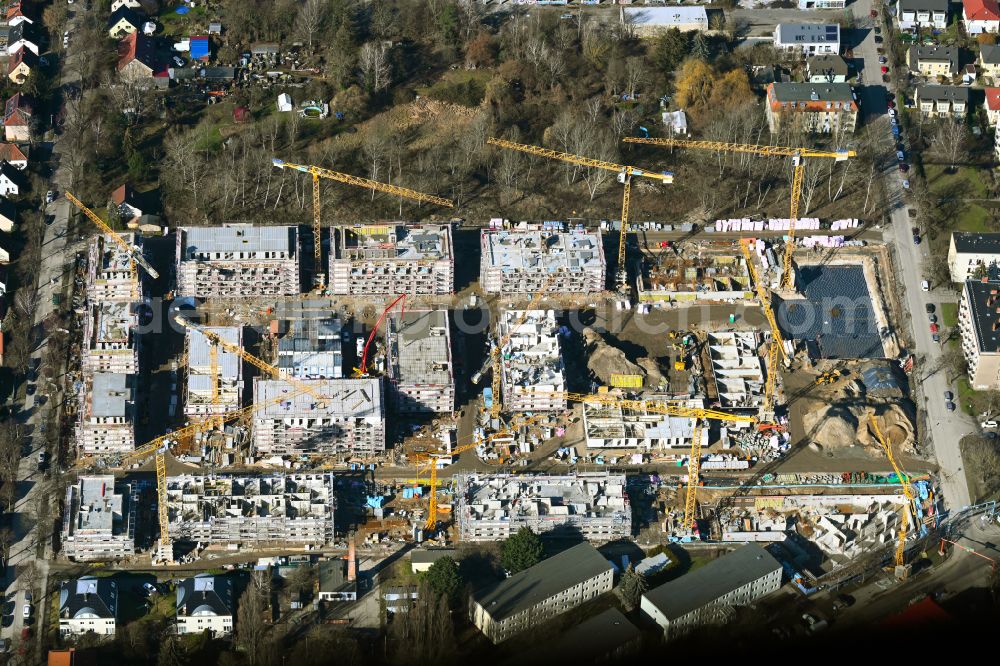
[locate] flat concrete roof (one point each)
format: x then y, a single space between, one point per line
238 238
110 395
199 355
419 347
344 398
538 250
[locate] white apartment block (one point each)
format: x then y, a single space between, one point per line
107 414
737 370
943 101
109 273
205 602
550 588
419 361
532 377
347 419
593 505
88 605
808 38
392 259
293 510
98 521
229 382
612 426
979 325
237 261
312 349
708 595
912 14
972 255
110 342
529 260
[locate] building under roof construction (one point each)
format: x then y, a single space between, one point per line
611 426
312 349
288 509
736 368
109 273
110 342
349 421
98 522
107 414
391 259
708 277
199 375
237 260
522 261
592 505
532 377
419 367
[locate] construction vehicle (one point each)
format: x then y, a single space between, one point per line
365 183
828 377
798 157
625 174
363 369
904 519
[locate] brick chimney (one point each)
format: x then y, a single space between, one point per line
352 562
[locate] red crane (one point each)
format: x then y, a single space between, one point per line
362 369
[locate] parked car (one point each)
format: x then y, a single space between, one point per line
873 13
903 167
150 588
890 105
948 395
878 39
885 78
950 406
906 183
50 196
932 318
178 61
882 60
934 328
900 155
916 241
930 307
885 70
988 424
936 338
41 458
925 285
26 611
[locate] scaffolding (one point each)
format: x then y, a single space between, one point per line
237 261
521 261
419 367
392 258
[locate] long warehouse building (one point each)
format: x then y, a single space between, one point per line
392 259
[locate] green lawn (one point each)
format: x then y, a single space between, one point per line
965 183
949 314
195 22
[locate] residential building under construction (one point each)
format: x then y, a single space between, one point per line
593 505
110 342
342 417
524 261
99 520
532 377
311 349
287 509
391 259
667 278
110 274
228 381
737 371
613 426
107 414
237 261
419 368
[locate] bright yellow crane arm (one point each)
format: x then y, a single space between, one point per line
694 470
363 183
654 406
103 226
763 297
904 479
722 147
665 177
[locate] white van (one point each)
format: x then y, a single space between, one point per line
925 285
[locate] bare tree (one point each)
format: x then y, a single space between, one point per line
635 75
374 65
623 123
603 149
950 143
376 147
510 166
310 19
251 618
26 300
129 95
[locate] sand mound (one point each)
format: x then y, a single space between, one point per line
840 425
604 360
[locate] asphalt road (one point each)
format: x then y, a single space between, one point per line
945 429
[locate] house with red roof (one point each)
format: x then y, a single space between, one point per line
981 16
18 12
992 104
10 153
139 59
17 115
20 65
129 202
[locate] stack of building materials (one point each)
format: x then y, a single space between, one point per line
592 505
98 523
524 261
391 259
237 261
419 367
532 376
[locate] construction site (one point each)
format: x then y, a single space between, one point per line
523 259
419 366
391 259
100 520
704 275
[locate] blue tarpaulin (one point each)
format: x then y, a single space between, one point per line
183 10
199 48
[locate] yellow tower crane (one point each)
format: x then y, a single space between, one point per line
776 350
798 155
625 173
214 378
904 479
365 183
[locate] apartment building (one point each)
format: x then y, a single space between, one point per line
205 602
606 638
107 414
228 382
312 349
419 365
550 588
708 595
532 377
819 108
392 259
648 22
981 16
737 369
943 101
99 520
827 69
237 261
294 510
110 342
973 255
109 271
88 605
348 421
492 507
933 61
523 261
912 14
979 325
612 426
808 38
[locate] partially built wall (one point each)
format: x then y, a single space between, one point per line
737 370
110 342
699 276
237 261
594 506
532 375
98 520
391 259
111 275
639 428
526 261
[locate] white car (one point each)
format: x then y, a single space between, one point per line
26 611
925 285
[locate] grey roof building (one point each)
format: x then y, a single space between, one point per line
970 252
334 583
707 595
936 100
422 559
989 54
832 68
547 589
606 637
932 60
205 602
240 260
419 361
88 605
979 325
809 38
